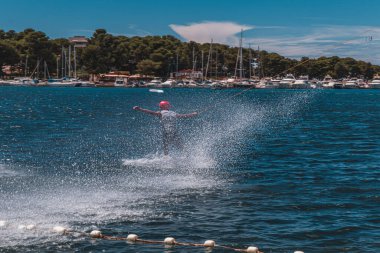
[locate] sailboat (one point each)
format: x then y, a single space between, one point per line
241 81
65 81
23 81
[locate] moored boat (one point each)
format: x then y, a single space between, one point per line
120 82
351 83
63 82
287 82
154 83
338 84
301 83
375 83
168 83
22 81
328 82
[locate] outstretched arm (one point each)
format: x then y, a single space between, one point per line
137 108
187 115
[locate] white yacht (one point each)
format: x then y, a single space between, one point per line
23 81
86 84
328 82
272 83
315 84
168 83
338 84
302 83
215 85
120 82
352 83
375 83
190 83
287 82
154 83
263 83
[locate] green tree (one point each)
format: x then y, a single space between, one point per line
94 60
8 55
148 67
158 55
37 47
340 70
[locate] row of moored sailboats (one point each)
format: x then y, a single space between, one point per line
287 82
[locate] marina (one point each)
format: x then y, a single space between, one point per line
287 82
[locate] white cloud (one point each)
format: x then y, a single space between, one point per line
136 31
220 32
315 41
343 41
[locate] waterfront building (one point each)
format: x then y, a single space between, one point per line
78 41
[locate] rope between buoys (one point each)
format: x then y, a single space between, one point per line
208 243
132 238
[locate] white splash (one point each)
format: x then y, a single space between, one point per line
131 192
184 160
5 171
156 90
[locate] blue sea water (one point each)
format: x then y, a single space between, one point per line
282 170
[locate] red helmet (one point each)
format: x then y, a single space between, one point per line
164 105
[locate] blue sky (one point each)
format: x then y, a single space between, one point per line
293 28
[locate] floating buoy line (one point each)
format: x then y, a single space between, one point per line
132 238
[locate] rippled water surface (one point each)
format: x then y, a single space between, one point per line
283 170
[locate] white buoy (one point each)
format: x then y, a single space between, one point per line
21 227
96 234
59 229
169 241
31 227
156 90
298 251
3 224
209 243
132 237
252 249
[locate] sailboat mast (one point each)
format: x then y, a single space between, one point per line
44 70
192 71
261 70
63 61
216 64
57 67
69 60
177 63
75 62
47 70
208 59
202 67
250 61
66 60
38 68
236 65
26 66
241 55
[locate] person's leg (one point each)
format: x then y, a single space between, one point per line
177 141
165 143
